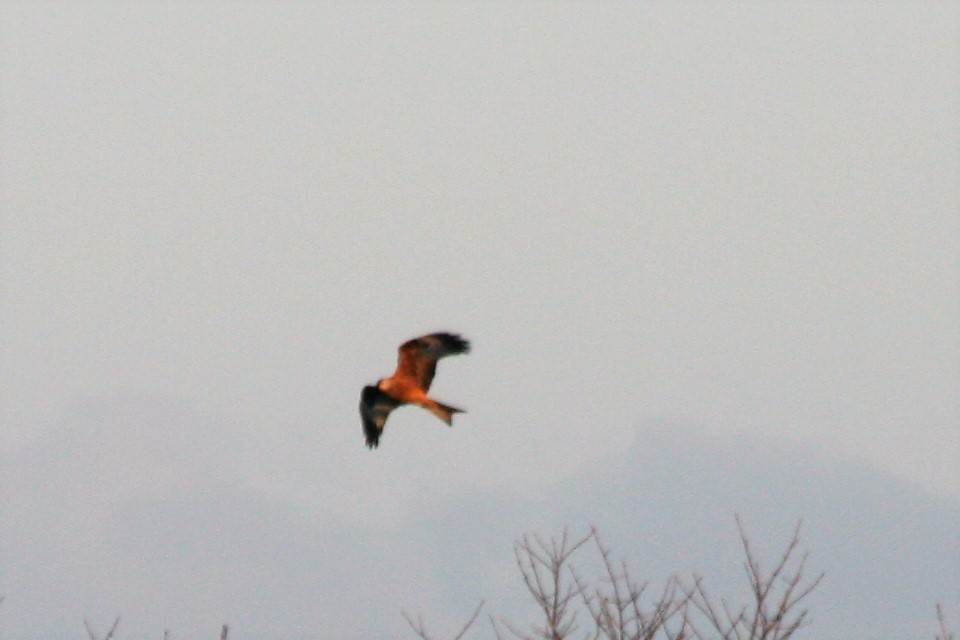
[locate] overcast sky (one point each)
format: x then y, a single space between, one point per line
708 256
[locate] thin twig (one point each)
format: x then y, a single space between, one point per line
109 636
945 633
420 628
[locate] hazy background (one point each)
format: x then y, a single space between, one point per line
707 256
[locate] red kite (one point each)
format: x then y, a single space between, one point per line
416 365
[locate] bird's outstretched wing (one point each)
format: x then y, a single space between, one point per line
418 357
375 406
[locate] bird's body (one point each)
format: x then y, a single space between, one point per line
409 384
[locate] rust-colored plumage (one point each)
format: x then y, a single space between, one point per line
409 384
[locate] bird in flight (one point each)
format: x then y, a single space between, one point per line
416 366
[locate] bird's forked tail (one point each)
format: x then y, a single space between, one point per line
443 411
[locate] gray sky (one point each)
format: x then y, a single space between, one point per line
728 230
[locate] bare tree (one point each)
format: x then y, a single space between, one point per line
614 607
773 613
615 602
545 572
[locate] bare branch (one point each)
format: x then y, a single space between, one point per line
93 635
420 628
616 603
773 614
945 633
469 623
112 629
544 568
616 607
